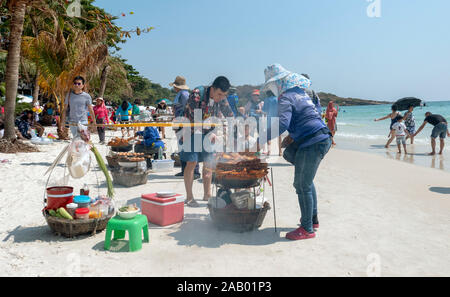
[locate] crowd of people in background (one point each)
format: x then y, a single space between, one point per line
80 108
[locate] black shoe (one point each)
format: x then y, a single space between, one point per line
181 174
196 176
315 220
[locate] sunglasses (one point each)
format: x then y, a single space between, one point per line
78 84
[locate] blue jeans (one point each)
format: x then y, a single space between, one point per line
307 161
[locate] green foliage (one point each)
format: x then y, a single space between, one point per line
325 98
2 89
2 66
126 83
245 94
21 107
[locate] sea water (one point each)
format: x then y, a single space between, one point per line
358 131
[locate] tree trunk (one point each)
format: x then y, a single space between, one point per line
104 78
36 88
12 66
63 132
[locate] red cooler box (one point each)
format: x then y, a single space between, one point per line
163 211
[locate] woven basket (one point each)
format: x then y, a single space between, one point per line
72 228
113 162
238 220
129 179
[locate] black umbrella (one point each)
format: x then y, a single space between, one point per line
405 103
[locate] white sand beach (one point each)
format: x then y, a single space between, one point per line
371 209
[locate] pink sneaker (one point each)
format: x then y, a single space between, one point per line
300 234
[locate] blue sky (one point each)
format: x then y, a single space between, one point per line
405 52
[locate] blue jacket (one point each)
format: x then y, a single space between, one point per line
151 137
180 102
233 100
299 115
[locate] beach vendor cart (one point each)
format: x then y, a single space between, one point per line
240 203
67 213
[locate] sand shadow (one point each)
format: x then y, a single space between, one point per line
165 177
199 230
37 234
117 246
44 164
440 190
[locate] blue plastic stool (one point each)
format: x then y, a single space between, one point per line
134 226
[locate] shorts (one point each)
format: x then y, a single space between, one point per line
439 130
197 152
411 129
125 122
401 140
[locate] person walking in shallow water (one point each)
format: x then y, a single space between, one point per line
440 130
400 131
393 116
410 123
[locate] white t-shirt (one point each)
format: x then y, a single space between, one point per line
250 143
400 129
2 132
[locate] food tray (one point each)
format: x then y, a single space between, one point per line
122 149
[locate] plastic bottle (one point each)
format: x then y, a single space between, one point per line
160 153
85 190
33 133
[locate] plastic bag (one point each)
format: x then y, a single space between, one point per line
79 156
241 200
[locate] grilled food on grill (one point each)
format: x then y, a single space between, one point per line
242 166
119 141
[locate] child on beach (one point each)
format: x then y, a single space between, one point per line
400 132
250 141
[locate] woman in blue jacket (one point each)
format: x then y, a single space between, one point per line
308 142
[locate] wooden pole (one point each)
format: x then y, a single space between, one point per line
273 196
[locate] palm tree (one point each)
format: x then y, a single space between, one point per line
81 52
17 8
60 59
115 83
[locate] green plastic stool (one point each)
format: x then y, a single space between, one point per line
134 226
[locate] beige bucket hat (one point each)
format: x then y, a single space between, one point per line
180 83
